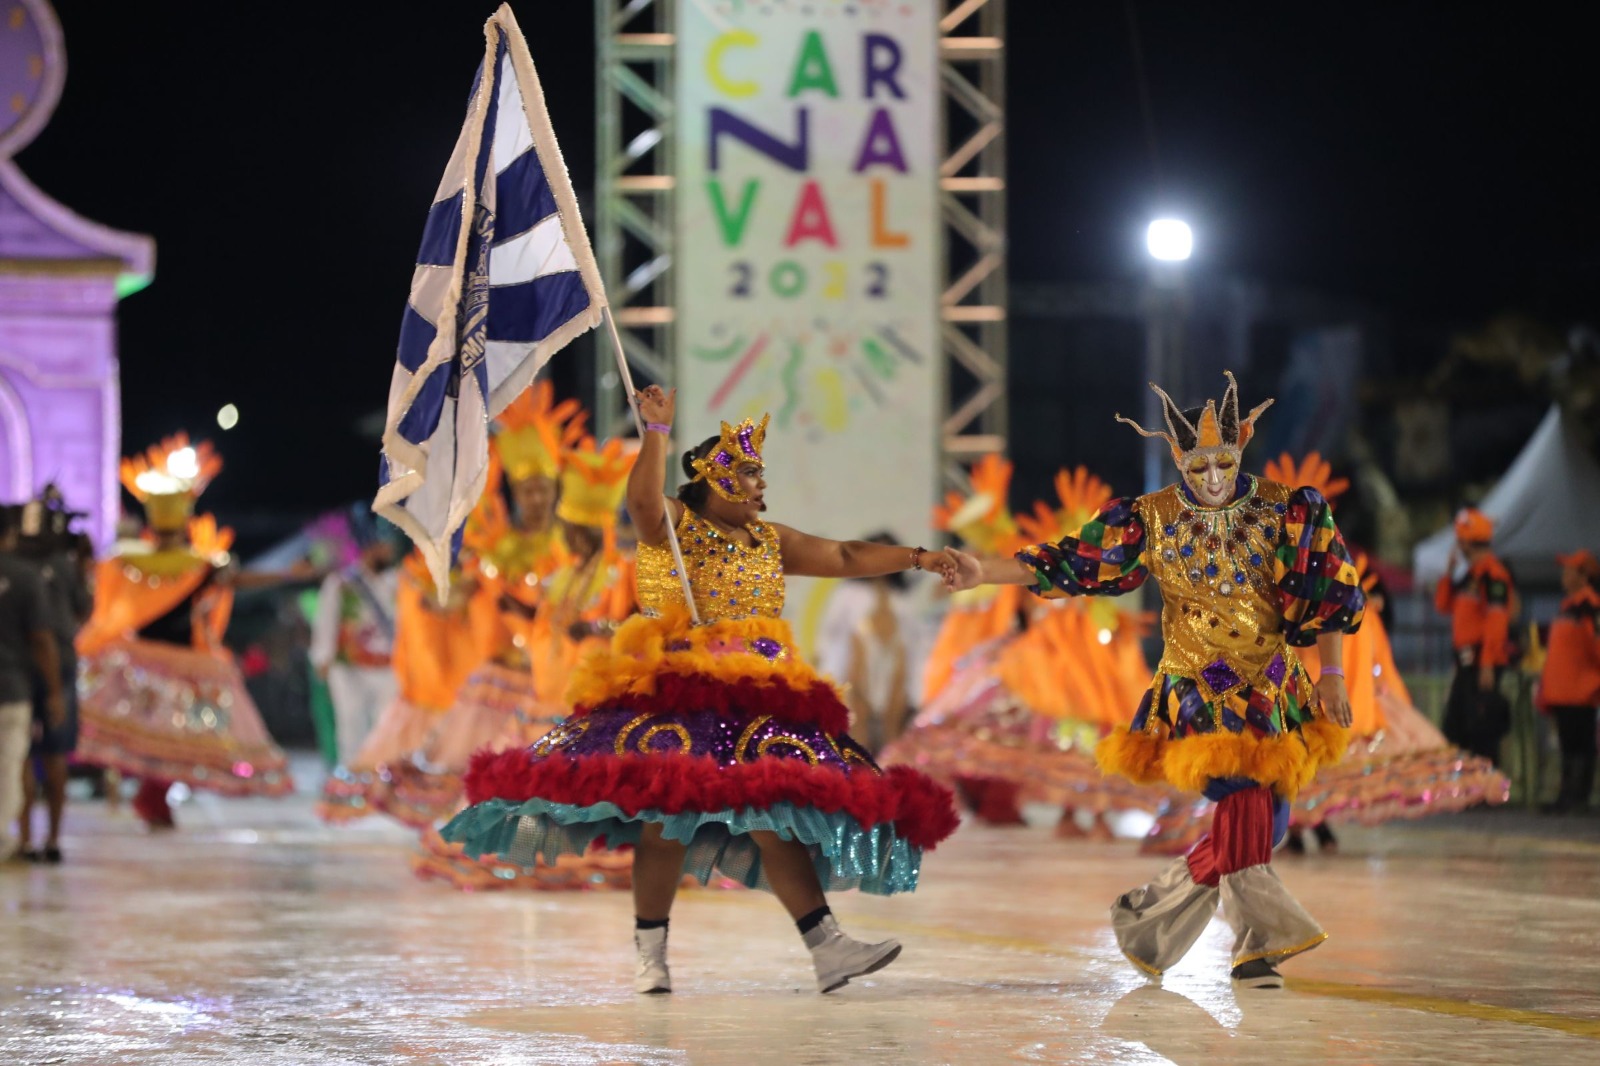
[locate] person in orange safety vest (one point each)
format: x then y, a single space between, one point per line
1478 594
1569 688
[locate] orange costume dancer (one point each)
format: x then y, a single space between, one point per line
1569 686
162 698
583 602
511 553
1479 596
433 652
1025 711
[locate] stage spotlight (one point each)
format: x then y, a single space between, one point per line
1169 240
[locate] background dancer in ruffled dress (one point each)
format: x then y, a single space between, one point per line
1248 570
1019 719
162 698
713 746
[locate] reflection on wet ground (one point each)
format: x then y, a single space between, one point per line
255 935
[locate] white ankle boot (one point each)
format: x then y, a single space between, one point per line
651 976
838 958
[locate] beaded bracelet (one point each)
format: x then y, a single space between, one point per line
657 427
1336 671
916 558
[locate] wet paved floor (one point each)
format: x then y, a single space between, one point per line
255 935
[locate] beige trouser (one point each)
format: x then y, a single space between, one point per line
1156 924
16 734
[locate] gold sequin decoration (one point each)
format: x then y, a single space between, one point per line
684 741
621 746
1206 616
745 737
792 742
561 735
730 581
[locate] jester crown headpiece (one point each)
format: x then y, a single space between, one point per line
739 444
1217 430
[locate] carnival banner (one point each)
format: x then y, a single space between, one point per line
808 256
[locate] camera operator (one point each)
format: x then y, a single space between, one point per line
27 647
64 558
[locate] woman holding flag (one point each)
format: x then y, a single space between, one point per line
702 740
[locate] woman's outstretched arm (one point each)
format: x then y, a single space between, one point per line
647 502
807 556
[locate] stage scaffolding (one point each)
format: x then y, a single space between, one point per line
634 225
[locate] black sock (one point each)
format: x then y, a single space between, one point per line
814 919
650 923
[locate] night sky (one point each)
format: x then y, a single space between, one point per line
1425 158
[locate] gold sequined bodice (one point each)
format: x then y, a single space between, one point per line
1215 568
730 581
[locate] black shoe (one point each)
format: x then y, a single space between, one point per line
1258 973
51 855
1295 844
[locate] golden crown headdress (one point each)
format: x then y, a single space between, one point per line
739 444
593 482
167 477
982 520
1216 429
534 431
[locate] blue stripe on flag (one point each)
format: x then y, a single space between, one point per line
416 334
522 196
535 309
439 235
418 423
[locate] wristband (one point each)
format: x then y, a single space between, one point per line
916 558
657 427
1336 671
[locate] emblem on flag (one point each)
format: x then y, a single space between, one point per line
504 279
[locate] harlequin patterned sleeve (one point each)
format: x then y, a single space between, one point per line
1319 590
1101 559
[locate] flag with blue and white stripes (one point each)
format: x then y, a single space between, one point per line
505 279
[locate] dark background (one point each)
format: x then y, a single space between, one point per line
1430 160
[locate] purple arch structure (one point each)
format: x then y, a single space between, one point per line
60 279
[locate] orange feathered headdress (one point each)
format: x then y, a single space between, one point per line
593 482
167 478
1311 472
534 431
982 520
1080 495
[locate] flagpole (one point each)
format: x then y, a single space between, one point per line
638 422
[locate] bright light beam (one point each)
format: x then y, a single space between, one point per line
1170 240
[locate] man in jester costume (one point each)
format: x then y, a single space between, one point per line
1249 570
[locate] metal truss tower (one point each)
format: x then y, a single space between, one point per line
635 193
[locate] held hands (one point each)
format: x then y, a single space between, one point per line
939 562
1335 696
657 404
968 573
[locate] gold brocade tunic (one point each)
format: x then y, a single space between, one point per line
731 582
1241 585
1221 620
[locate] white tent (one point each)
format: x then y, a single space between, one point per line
1547 503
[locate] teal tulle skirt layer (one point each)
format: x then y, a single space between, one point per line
845 855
